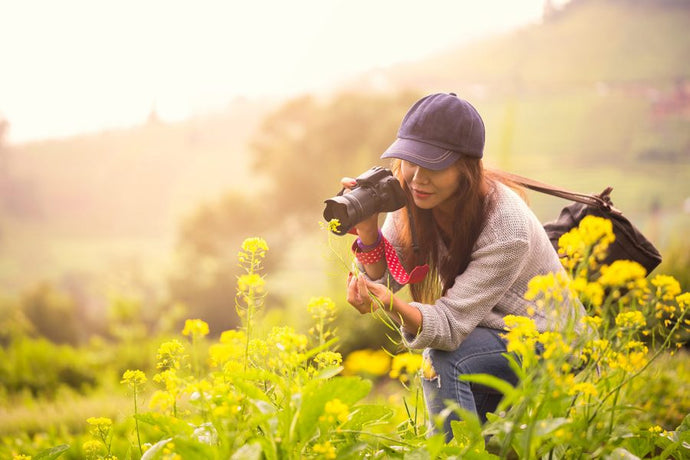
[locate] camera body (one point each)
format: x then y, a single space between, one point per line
377 190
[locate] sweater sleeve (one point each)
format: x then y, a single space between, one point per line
493 269
389 229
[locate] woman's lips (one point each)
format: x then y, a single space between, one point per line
420 193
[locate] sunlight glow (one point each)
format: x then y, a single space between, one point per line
81 65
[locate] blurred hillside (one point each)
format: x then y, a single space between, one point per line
85 202
597 95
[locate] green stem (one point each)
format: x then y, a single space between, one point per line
136 421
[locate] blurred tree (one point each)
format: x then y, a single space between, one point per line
52 313
209 240
13 322
308 145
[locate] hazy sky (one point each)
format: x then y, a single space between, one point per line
69 66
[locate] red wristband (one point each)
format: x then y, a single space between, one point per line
369 247
369 257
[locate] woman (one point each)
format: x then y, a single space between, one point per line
480 241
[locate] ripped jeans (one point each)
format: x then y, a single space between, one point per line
480 353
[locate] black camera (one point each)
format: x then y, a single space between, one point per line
377 190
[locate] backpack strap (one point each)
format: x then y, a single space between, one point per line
602 200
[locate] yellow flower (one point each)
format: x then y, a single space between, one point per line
540 284
631 320
100 422
583 388
404 365
332 225
588 242
683 299
372 362
594 322
334 410
591 293
667 287
251 282
521 334
630 362
195 327
554 345
321 308
170 354
168 378
623 273
328 359
133 378
325 450
93 449
255 245
162 401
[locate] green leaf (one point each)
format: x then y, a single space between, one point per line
318 392
491 381
170 426
52 453
546 426
623 454
367 415
248 452
154 449
328 372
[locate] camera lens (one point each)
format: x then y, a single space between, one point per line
348 209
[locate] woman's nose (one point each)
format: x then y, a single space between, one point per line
420 175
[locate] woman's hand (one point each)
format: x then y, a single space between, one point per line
368 229
360 291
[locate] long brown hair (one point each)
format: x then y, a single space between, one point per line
474 201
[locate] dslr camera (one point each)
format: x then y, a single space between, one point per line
377 190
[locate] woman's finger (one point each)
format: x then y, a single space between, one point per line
348 182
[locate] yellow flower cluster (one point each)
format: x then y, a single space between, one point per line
92 449
588 242
255 245
591 293
623 274
229 349
595 350
328 359
547 291
321 308
170 355
251 282
554 345
405 365
335 411
133 378
583 388
367 362
631 320
195 328
521 335
101 423
332 225
286 349
324 450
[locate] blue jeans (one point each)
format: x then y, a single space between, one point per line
480 353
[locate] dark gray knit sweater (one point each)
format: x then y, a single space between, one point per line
511 249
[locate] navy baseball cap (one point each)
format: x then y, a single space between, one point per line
437 130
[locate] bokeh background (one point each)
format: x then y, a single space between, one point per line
142 142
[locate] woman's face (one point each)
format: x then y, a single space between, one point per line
431 188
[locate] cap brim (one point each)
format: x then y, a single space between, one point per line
420 153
